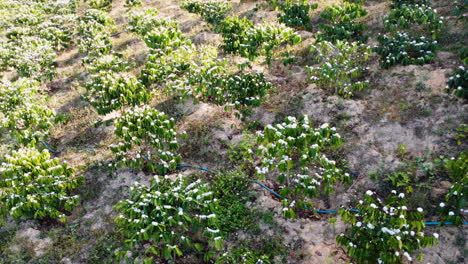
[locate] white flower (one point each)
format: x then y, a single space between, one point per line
436 235
451 213
420 209
401 195
369 192
442 205
358 224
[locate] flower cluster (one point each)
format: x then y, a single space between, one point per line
23 113
132 3
458 83
384 231
35 186
163 217
342 66
407 16
292 151
454 209
108 91
341 22
405 49
212 11
243 38
296 13
146 134
110 62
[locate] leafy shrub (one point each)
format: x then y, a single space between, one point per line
142 22
342 66
454 208
241 37
405 49
398 3
296 13
99 4
35 186
243 256
23 113
384 231
147 134
406 16
458 82
111 62
33 57
132 3
164 217
58 34
212 11
293 151
165 38
341 24
108 91
95 30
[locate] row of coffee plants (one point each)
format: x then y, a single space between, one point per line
458 82
23 114
341 23
342 67
416 45
212 12
34 186
34 32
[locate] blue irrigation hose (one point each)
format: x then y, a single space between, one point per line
261 185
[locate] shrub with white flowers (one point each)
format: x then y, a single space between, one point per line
454 208
99 4
132 3
108 91
142 22
34 186
33 57
293 152
341 22
405 49
212 11
165 38
22 112
242 37
110 62
458 82
95 29
407 16
148 137
342 66
163 218
296 13
384 231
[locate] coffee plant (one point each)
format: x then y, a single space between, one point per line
241 37
458 83
407 16
163 218
108 91
398 3
454 207
132 3
342 66
405 49
99 4
164 39
23 114
243 256
296 14
142 22
213 12
111 62
341 23
34 186
95 29
149 140
293 151
384 231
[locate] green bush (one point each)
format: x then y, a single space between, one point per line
342 66
384 231
147 136
212 11
23 112
108 91
293 151
142 22
454 208
296 13
34 186
458 83
405 49
341 24
164 218
407 16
